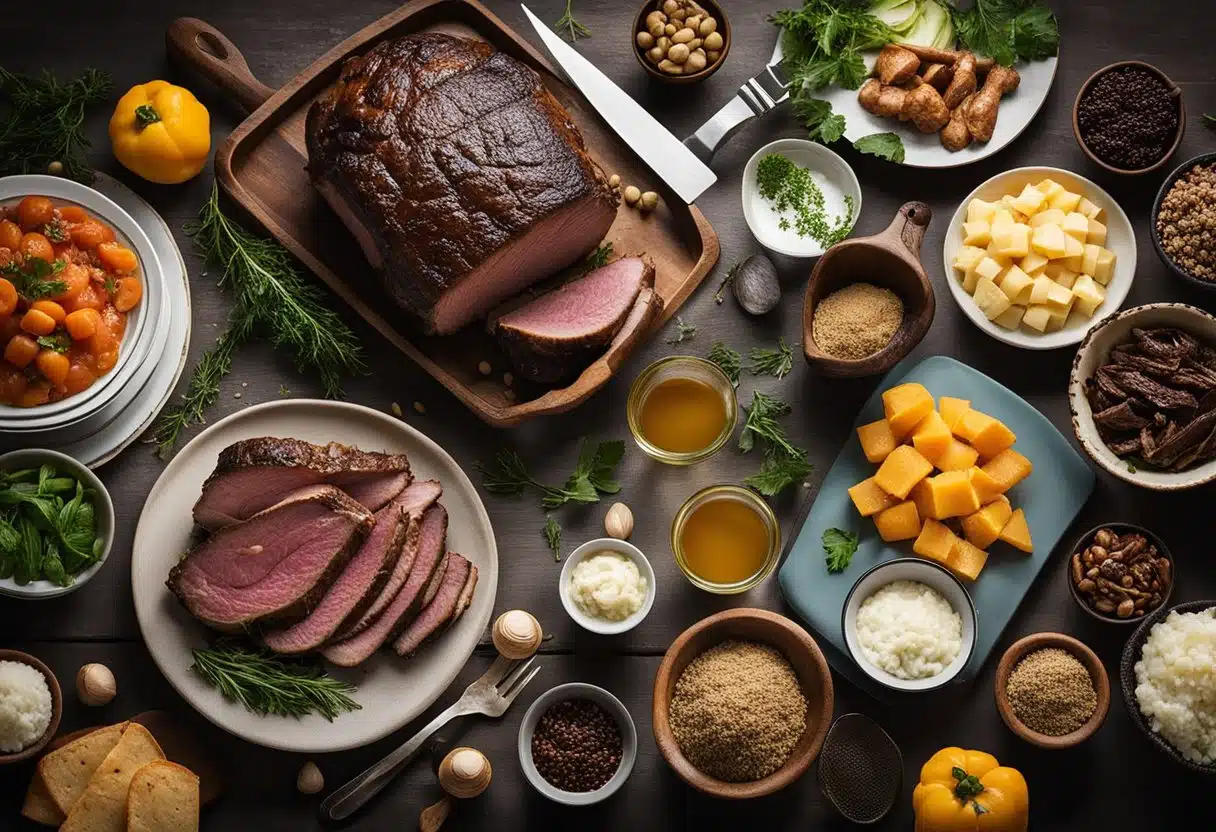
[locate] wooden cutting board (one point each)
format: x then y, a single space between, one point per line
261 166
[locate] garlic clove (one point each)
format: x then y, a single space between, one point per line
517 634
310 780
95 685
618 522
465 772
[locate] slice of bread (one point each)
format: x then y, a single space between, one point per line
163 797
66 771
38 806
103 806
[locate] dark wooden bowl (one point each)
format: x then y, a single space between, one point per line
1127 681
1087 657
1175 175
1174 91
890 259
802 653
56 705
639 25
1120 528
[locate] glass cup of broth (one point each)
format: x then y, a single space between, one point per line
726 539
682 410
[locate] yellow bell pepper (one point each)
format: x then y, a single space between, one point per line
161 132
969 791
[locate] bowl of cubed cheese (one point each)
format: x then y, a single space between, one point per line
1037 256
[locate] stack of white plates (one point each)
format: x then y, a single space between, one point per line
143 343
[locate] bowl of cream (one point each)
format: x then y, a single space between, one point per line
607 586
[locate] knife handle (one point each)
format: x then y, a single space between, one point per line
755 98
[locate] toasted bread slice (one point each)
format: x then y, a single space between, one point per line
103 806
66 771
38 806
163 797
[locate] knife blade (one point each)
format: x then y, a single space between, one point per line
674 163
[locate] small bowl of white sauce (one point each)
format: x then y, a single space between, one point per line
607 586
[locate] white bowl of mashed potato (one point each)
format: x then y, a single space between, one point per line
607 586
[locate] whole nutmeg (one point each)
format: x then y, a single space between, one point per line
516 634
632 194
95 685
310 780
618 522
465 772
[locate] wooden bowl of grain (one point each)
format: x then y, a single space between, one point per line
814 681
890 260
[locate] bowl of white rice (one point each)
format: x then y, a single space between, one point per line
909 624
1168 675
30 706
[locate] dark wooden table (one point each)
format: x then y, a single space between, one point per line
1115 781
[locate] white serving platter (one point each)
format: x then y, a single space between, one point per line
391 690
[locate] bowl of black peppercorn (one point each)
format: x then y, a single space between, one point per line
1129 117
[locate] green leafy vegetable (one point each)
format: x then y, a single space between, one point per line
790 188
553 537
775 362
727 359
44 122
593 475
779 471
42 537
266 684
887 146
816 115
1008 31
56 231
784 464
761 423
569 26
727 280
839 547
684 332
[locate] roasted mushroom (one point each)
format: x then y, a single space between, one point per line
981 112
895 65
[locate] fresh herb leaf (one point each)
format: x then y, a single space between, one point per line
596 259
791 189
55 342
29 553
779 471
839 547
727 359
110 285
784 464
593 475
816 115
55 231
44 122
266 684
684 332
1211 120
569 26
34 279
202 392
822 42
776 362
1008 31
887 146
727 280
507 474
761 422
52 566
553 537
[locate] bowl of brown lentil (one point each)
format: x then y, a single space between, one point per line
1052 690
742 702
1184 221
1129 117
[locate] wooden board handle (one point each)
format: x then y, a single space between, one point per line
201 48
908 227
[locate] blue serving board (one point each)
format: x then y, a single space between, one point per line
1051 497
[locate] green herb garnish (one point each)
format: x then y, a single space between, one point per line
44 122
776 362
34 279
684 332
727 359
56 231
202 392
48 527
816 115
146 114
553 537
266 684
1211 120
784 464
790 188
779 471
1008 31
569 26
839 547
596 259
55 342
593 475
727 280
887 146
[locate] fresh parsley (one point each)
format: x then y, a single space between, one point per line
1008 31
55 342
593 475
553 537
596 259
784 464
779 471
887 146
727 359
55 231
775 362
684 332
35 279
839 547
816 115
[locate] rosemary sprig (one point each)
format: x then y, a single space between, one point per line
727 280
553 537
727 359
265 684
44 122
684 332
202 392
777 362
569 26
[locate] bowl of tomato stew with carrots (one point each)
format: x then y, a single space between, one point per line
76 280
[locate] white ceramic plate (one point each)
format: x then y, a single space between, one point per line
924 150
140 323
391 690
830 172
1093 353
1120 238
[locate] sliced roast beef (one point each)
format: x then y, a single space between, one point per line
355 588
449 603
460 175
406 605
413 501
276 565
553 338
254 474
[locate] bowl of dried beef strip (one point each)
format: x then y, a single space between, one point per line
1143 396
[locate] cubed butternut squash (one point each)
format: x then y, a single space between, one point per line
986 488
869 498
987 435
904 405
903 468
959 456
966 561
953 495
931 435
900 522
952 410
983 527
1008 468
935 542
876 440
1017 532
922 495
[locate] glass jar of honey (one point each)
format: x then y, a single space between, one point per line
682 410
726 539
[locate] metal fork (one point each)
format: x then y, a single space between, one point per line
490 695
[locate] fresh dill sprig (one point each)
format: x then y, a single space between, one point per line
777 362
727 280
569 26
202 392
784 463
684 332
727 359
44 122
553 537
761 422
268 685
779 471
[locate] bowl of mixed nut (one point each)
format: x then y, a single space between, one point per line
681 41
1119 572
